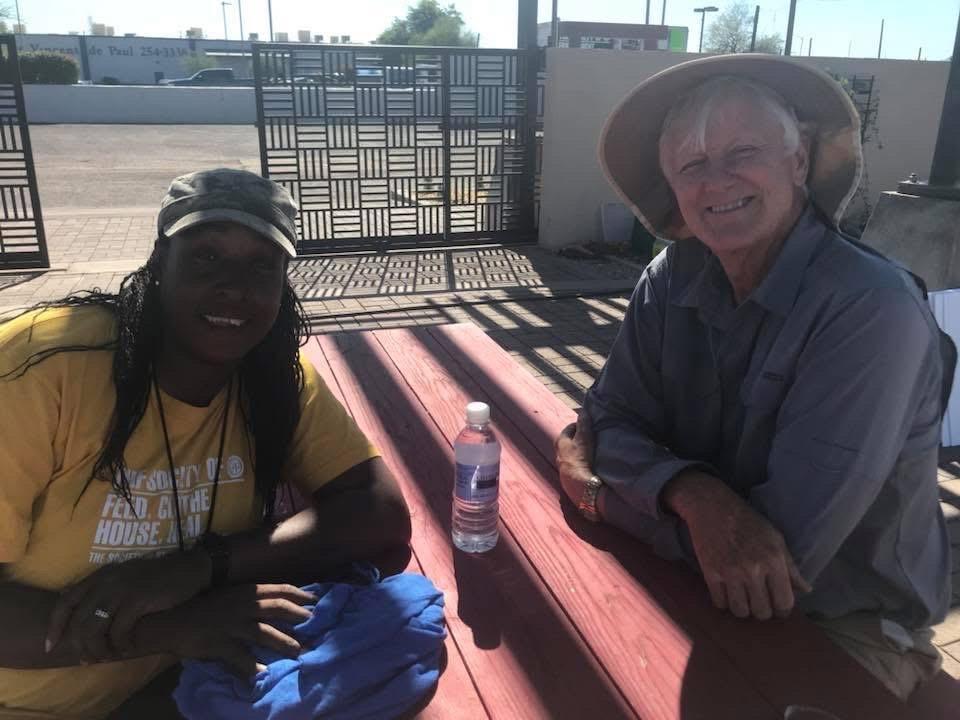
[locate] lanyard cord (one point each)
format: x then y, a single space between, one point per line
173 476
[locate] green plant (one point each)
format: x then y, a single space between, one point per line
48 68
426 23
732 30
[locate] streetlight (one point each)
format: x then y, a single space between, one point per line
223 7
703 18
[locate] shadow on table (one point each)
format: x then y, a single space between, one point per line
501 599
938 699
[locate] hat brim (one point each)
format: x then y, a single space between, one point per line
253 222
629 143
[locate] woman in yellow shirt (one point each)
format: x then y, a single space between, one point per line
143 437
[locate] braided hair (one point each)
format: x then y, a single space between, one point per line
270 375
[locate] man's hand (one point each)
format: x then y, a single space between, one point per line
225 624
574 448
97 615
743 558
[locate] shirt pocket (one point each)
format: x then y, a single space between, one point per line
764 396
695 385
694 412
830 457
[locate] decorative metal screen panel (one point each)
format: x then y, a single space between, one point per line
22 243
406 146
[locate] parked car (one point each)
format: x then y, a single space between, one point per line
218 77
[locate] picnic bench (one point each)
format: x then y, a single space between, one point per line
565 619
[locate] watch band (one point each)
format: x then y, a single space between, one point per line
588 501
218 549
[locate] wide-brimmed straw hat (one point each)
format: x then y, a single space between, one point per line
629 152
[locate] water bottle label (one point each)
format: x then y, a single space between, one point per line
477 483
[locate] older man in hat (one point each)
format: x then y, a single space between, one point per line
770 410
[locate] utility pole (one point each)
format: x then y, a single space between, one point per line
756 21
810 47
793 13
919 53
270 17
647 21
663 14
240 12
555 26
880 48
223 7
527 24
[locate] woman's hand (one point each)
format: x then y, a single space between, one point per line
97 615
225 624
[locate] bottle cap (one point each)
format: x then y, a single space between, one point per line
478 413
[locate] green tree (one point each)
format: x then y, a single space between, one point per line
732 30
772 44
48 68
426 23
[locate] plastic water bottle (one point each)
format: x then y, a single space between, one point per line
476 489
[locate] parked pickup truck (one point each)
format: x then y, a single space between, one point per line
218 77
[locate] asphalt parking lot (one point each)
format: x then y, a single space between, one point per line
127 168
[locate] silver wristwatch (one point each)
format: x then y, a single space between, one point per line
588 502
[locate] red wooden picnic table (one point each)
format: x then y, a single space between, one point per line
564 619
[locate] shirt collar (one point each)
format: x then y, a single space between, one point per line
778 291
709 289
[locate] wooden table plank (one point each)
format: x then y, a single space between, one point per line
525 657
790 662
456 695
665 671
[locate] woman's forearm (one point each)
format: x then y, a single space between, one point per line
357 516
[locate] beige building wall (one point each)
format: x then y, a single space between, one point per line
584 85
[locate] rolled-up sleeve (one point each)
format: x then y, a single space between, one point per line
865 382
626 404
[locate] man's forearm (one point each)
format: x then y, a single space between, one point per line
662 534
690 492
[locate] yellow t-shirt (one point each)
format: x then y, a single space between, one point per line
53 532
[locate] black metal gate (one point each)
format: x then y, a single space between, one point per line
22 242
401 146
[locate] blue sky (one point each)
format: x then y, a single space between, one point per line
837 27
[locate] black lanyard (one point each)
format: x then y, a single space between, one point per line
173 475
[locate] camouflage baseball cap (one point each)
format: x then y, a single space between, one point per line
226 195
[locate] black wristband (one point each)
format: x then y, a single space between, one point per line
217 547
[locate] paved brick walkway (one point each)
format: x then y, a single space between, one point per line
555 316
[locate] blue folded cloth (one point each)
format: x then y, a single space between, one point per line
370 651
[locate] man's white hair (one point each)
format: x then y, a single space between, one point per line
697 106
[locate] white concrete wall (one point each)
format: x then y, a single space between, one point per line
136 59
583 86
132 104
